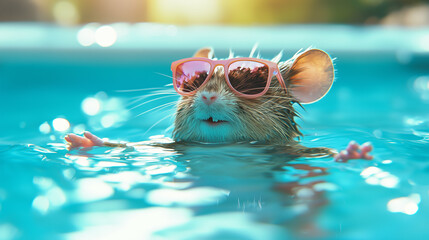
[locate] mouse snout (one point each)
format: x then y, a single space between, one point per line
209 97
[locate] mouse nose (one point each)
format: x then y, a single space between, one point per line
208 98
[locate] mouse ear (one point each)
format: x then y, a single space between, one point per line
311 76
205 53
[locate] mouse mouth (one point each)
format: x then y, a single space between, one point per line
214 122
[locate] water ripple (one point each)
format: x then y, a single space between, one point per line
206 182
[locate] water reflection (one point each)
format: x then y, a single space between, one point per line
91 106
60 124
45 128
128 224
104 111
51 196
41 204
214 178
227 225
198 196
79 128
104 36
421 86
194 191
407 205
86 36
92 189
8 231
376 176
307 190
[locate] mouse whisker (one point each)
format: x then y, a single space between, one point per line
165 75
159 121
158 107
139 89
164 90
169 128
253 50
257 110
135 101
156 94
271 105
148 101
141 97
280 97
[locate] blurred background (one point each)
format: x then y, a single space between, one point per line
237 12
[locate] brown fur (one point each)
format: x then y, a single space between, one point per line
270 118
267 119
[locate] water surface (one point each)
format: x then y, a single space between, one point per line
199 191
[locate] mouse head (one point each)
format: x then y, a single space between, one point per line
246 104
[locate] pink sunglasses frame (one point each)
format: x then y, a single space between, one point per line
273 70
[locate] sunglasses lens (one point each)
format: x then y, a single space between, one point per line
191 75
248 77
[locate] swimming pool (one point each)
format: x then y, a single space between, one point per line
50 84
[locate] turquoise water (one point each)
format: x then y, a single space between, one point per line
197 191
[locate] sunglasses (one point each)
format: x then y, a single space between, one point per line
246 77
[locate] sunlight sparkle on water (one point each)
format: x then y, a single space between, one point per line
56 196
160 169
198 196
104 112
407 205
105 36
109 120
43 182
45 128
376 176
41 204
80 160
93 189
91 106
413 121
370 171
86 36
325 186
79 129
421 86
8 231
423 42
129 177
129 224
69 173
61 124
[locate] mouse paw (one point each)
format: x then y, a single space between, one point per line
87 140
355 151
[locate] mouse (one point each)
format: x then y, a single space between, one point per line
223 102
